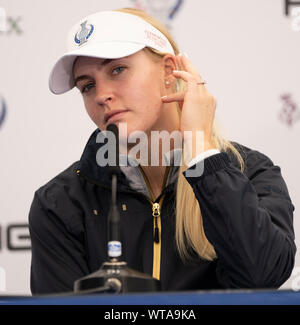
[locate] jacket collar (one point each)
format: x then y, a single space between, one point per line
131 177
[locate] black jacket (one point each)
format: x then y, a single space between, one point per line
247 217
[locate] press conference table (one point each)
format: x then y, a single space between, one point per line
260 297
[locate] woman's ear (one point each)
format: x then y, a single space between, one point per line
169 64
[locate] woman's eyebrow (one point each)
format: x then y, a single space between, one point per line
103 63
83 77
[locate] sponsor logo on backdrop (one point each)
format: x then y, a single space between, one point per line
290 112
3 111
292 7
290 4
163 10
10 25
15 237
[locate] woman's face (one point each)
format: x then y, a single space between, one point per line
130 87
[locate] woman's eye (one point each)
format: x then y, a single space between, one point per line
117 70
87 87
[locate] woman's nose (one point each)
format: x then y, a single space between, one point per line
103 96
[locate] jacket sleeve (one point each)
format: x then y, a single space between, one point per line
248 218
58 257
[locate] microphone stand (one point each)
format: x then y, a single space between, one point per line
114 275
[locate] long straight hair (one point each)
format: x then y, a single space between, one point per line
190 235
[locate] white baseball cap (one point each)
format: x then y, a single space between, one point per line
109 35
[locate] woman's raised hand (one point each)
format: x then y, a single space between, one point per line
196 103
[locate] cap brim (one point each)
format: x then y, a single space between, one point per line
61 77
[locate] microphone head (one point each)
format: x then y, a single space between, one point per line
112 127
115 170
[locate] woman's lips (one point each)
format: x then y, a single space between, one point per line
116 116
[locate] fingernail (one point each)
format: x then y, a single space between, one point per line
164 97
175 71
185 54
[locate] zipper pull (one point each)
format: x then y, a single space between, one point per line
156 214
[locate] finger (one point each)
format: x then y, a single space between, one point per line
178 97
192 80
178 64
187 65
184 75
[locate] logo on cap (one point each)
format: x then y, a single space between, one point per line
83 35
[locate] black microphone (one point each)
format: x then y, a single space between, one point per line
114 149
114 275
114 246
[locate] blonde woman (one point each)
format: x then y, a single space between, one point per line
228 226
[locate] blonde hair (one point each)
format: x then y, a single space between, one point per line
190 236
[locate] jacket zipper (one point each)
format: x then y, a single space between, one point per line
156 213
156 208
